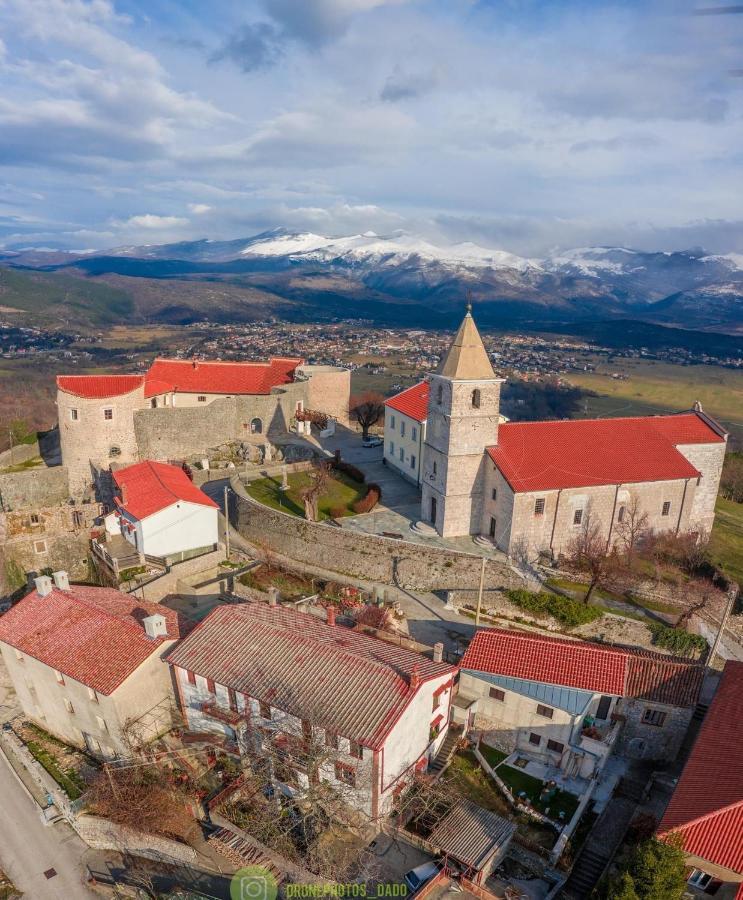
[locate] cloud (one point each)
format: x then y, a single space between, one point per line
152 222
199 208
316 21
401 85
251 47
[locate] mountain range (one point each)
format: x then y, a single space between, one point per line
402 279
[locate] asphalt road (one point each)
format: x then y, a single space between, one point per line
28 848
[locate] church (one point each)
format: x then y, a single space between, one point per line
529 487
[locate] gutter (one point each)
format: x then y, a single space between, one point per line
554 521
613 513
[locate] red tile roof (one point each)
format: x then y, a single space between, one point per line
151 486
98 387
707 805
354 684
412 402
536 456
92 635
620 671
197 376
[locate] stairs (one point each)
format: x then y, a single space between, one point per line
446 751
631 789
586 873
700 711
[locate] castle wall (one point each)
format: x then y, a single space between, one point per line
30 488
329 390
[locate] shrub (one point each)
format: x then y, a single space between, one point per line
677 640
370 500
374 616
353 472
567 611
337 512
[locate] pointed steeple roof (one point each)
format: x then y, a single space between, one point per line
467 358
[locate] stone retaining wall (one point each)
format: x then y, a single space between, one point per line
33 488
102 834
362 556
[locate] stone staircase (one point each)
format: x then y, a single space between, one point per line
446 751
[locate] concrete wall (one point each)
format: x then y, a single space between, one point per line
362 557
91 437
42 698
401 433
32 488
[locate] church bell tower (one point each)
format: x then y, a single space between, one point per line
463 416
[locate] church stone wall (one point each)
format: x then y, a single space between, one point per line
364 557
709 459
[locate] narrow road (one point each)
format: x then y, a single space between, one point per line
28 848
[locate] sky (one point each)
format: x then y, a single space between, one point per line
524 125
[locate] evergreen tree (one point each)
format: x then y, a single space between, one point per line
654 870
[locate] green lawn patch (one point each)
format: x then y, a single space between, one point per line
519 781
470 779
70 782
493 756
726 541
340 494
32 463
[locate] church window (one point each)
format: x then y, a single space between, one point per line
666 508
539 507
74 415
108 414
577 517
440 394
476 398
620 514
435 468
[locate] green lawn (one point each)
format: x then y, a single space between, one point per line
340 493
471 781
70 782
32 463
726 542
519 781
493 756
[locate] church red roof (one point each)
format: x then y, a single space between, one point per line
98 387
620 671
93 635
412 402
148 487
198 376
536 456
707 806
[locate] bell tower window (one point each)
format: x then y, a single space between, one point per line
476 398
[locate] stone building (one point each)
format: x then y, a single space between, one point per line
180 408
274 680
571 703
530 487
86 664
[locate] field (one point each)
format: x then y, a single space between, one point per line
726 542
656 387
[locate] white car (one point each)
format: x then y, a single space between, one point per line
372 441
420 875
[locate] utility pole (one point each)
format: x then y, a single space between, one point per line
479 593
226 522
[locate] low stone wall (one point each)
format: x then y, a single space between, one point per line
102 834
33 488
155 591
362 556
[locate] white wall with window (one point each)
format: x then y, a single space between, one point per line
403 444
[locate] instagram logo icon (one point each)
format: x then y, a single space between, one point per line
253 883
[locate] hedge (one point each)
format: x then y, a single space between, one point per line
370 500
353 472
566 610
677 640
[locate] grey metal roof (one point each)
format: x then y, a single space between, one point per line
570 699
471 834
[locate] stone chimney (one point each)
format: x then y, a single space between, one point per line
273 596
195 364
415 677
155 626
43 585
330 613
438 652
61 580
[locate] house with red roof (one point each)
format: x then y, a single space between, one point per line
328 703
706 809
571 703
531 487
161 512
405 430
179 408
87 664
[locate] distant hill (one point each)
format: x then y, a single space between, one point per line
396 280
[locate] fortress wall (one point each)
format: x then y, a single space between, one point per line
34 488
362 556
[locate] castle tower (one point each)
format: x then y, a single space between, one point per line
463 414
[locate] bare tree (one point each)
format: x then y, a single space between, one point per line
311 495
632 527
367 409
587 552
696 596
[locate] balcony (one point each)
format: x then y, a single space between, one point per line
214 711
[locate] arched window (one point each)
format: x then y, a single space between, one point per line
440 394
476 398
256 426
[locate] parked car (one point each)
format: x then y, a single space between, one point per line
420 875
372 441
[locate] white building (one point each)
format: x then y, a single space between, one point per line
87 664
267 676
405 430
161 512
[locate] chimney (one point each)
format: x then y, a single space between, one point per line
438 652
330 613
155 626
61 580
415 677
195 364
43 585
273 596
123 491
